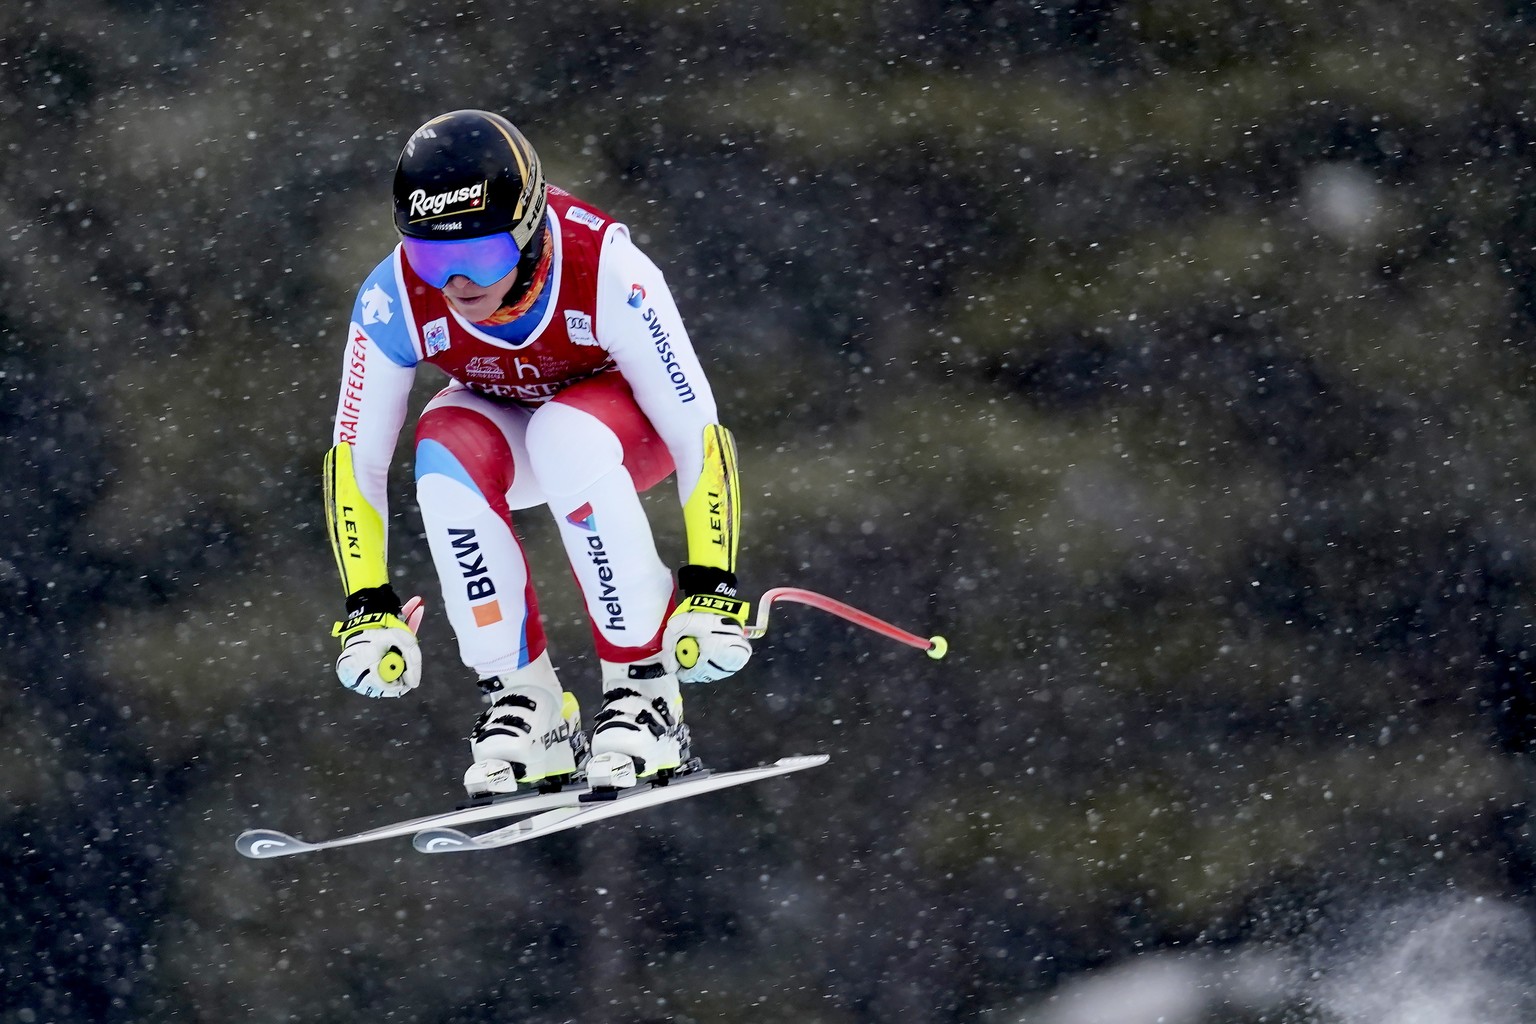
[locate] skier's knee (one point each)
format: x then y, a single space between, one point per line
465 446
570 450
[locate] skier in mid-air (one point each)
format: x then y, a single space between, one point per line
574 385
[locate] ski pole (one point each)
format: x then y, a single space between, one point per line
934 646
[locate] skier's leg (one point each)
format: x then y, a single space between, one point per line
471 472
592 450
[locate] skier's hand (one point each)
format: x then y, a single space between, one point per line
706 634
379 653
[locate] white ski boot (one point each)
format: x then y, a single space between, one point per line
642 721
530 735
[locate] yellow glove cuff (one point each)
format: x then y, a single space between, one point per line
715 604
375 620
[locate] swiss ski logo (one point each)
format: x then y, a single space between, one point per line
434 336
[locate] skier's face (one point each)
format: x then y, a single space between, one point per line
477 302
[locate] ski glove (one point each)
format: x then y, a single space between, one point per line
379 653
706 634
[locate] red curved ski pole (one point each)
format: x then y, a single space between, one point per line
934 646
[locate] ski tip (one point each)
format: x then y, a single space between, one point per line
442 840
265 843
803 761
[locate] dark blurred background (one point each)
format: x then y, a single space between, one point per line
1173 357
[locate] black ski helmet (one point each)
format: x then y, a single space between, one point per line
467 174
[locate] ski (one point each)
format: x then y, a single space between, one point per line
595 805
265 843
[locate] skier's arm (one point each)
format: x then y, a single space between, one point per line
640 326
706 634
379 654
712 520
378 368
356 528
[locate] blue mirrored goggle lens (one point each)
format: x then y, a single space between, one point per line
483 260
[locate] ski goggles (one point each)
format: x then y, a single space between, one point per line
483 260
